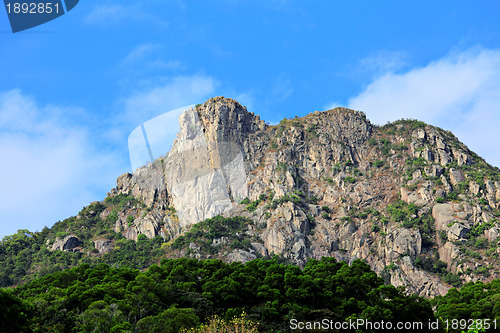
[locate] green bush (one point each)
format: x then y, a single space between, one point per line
112 217
481 243
453 279
326 216
350 180
443 236
326 209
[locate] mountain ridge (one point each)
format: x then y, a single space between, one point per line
408 198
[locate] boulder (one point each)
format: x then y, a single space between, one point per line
103 246
456 176
492 234
68 243
457 231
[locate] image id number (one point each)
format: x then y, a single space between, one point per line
32 8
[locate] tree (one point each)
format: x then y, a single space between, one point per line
14 313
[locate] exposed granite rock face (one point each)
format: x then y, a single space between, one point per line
68 243
103 246
147 183
150 224
456 176
321 186
204 174
240 255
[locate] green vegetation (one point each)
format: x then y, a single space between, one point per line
385 146
416 162
405 126
407 215
313 130
184 293
245 201
436 266
350 179
473 301
293 198
326 209
240 324
329 180
337 167
15 314
24 256
252 206
204 233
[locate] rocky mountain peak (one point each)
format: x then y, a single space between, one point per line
224 119
408 198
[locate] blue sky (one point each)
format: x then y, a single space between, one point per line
73 89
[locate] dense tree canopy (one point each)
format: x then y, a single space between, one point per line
471 302
184 293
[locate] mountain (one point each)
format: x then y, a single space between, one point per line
408 198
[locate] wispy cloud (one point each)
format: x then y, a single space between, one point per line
109 13
246 99
333 105
146 57
460 92
112 13
140 52
50 166
282 88
383 62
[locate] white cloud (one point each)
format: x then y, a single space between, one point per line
140 52
144 59
332 105
50 168
282 88
109 13
246 99
383 62
460 92
177 92
106 14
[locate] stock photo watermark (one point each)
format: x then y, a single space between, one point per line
25 14
364 324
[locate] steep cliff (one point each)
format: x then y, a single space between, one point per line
408 198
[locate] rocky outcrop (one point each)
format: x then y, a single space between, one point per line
147 183
103 246
69 243
199 175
